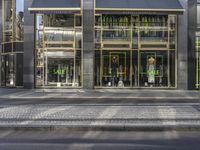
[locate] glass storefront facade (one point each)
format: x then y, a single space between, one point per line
198 13
132 48
135 51
58 50
197 45
12 44
198 60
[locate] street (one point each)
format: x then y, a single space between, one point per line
96 120
98 140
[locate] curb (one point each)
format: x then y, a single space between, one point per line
68 97
106 128
109 125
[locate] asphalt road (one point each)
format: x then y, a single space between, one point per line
98 140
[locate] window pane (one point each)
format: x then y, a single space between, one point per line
58 51
19 21
198 13
154 68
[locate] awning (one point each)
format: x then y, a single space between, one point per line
172 6
44 6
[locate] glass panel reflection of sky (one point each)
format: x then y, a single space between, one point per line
19 6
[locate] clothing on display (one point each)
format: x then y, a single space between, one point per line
151 70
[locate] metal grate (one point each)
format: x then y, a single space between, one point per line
197 107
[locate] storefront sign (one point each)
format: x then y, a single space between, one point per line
58 72
154 72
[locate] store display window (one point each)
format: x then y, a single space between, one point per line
198 60
58 50
13 20
155 69
198 13
8 70
135 50
12 43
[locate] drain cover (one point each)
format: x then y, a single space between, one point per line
196 107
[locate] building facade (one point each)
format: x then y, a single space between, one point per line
12 43
100 44
0 34
194 44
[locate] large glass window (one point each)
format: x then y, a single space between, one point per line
12 44
58 50
19 20
155 71
13 20
135 50
198 13
8 16
198 60
115 70
8 70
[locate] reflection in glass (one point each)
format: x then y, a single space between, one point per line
58 51
9 70
13 20
197 60
148 43
114 69
8 20
3 70
198 13
172 32
19 21
154 69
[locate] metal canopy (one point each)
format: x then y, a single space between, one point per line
140 5
55 5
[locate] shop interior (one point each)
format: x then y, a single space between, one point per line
135 50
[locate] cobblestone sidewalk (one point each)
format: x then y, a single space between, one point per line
97 94
99 116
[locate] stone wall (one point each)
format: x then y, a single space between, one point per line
28 46
182 63
0 35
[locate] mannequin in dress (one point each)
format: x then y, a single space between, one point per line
151 71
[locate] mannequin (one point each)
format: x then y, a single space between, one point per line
151 71
114 67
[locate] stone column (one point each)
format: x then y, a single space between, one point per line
182 48
28 46
1 37
88 44
192 24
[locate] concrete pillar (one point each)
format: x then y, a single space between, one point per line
182 48
192 24
28 46
88 44
1 37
